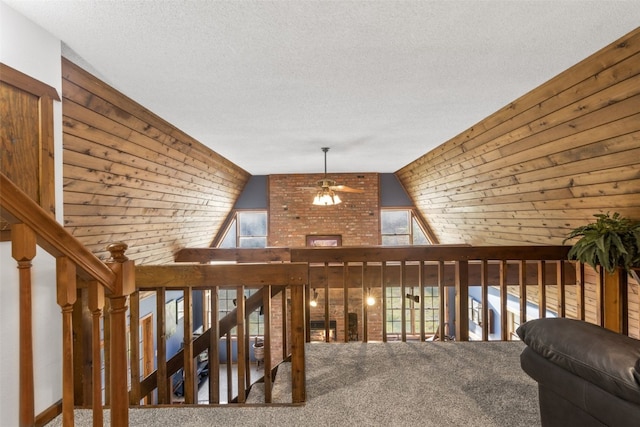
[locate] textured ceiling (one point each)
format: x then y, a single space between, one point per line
268 83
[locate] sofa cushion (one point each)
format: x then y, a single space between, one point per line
607 359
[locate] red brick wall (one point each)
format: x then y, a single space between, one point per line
292 216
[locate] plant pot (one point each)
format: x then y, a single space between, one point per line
258 353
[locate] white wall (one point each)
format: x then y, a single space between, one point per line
31 50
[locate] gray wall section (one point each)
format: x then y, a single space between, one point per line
392 193
254 194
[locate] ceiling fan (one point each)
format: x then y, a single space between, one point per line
326 188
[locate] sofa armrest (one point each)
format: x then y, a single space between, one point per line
609 360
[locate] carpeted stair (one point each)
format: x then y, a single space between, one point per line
281 389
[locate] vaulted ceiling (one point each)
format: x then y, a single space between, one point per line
267 84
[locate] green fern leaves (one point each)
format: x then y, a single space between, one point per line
611 241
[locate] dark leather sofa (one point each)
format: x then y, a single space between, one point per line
587 375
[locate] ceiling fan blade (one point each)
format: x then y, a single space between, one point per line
345 189
316 188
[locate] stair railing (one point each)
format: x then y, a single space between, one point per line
270 279
32 226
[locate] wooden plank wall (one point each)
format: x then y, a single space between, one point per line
131 176
543 164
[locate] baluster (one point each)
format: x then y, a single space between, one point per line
560 280
82 350
345 300
383 287
307 309
23 250
247 346
229 351
266 308
214 354
365 306
240 343
298 392
421 285
327 322
484 271
124 286
580 290
66 296
403 312
503 301
600 297
165 388
96 305
134 348
522 269
106 325
190 383
442 309
542 290
284 325
462 300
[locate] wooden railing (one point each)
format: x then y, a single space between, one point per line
450 271
537 279
289 280
31 226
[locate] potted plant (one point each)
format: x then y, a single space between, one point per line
613 244
610 242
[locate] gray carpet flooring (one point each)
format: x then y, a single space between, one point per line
393 384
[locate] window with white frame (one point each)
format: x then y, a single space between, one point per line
399 227
414 302
248 229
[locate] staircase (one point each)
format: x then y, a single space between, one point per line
281 391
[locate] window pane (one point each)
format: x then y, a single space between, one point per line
252 223
419 237
229 240
395 240
252 242
394 222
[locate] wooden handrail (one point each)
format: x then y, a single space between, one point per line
17 207
240 255
423 253
372 253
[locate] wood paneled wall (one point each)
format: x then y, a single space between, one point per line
543 164
131 176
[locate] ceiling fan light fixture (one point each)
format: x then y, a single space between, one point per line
326 197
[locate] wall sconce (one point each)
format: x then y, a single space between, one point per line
235 301
414 298
370 298
314 300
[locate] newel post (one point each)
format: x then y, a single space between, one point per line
124 286
615 305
